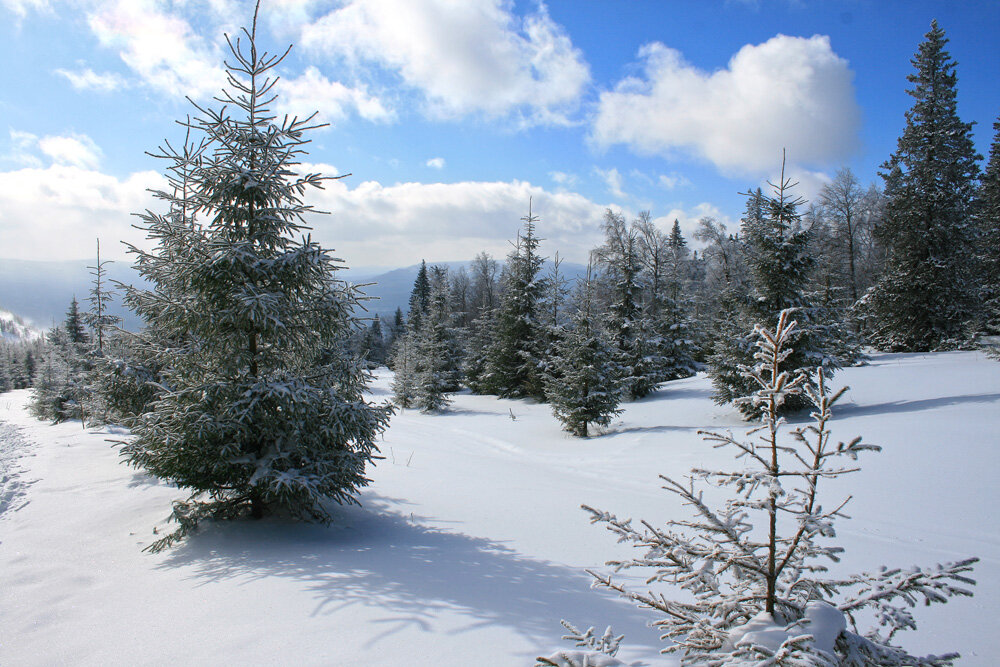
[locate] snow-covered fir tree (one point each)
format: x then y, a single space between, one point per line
514 361
438 355
927 298
419 297
618 258
755 588
779 267
403 361
263 407
62 384
479 336
103 329
989 230
583 388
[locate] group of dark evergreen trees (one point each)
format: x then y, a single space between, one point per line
523 332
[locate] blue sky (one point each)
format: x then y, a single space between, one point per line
449 115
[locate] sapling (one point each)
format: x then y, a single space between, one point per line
754 570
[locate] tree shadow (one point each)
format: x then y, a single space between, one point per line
855 410
381 556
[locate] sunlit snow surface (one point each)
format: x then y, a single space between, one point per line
470 545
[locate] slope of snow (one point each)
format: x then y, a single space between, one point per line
470 545
14 328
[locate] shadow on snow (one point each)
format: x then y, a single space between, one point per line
380 556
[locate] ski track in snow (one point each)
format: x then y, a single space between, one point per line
12 485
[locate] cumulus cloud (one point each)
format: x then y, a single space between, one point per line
435 163
56 212
464 58
312 91
789 92
161 47
88 79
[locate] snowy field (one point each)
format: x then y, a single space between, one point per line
470 545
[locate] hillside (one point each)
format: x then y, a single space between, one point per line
470 544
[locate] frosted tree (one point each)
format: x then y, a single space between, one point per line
618 259
927 298
513 366
753 570
62 387
583 389
438 359
779 268
101 322
989 217
419 297
103 326
403 361
263 407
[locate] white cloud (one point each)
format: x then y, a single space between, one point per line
789 92
397 225
57 212
312 91
673 180
20 8
24 146
564 179
613 180
435 163
469 57
76 150
88 79
162 48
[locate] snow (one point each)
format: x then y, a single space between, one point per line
471 545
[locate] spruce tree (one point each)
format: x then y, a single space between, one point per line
624 321
927 299
779 267
989 224
583 388
263 407
515 358
419 297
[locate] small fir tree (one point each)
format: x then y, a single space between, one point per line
583 389
779 268
515 358
758 595
262 407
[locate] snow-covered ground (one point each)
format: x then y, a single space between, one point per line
470 545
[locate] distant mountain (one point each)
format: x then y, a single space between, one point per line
40 292
13 328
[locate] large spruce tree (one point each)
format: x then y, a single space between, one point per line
989 218
926 298
264 407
